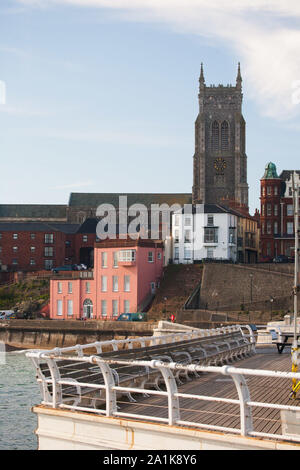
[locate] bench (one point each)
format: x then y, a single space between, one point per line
206 350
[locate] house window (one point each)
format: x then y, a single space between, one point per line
263 210
268 249
115 283
49 238
188 221
210 220
103 283
275 190
87 287
289 209
150 257
210 253
48 263
104 308
14 261
126 306
269 228
115 259
32 249
177 220
231 238
176 236
126 256
15 248
15 236
84 238
32 236
126 283
70 307
187 236
269 209
187 253
70 287
275 209
48 251
32 262
59 287
269 190
210 235
159 255
104 259
263 191
115 308
59 307
176 252
275 228
290 228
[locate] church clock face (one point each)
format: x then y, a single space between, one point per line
220 165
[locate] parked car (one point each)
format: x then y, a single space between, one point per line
8 315
266 259
81 267
281 259
67 267
139 316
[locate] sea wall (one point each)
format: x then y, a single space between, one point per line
47 334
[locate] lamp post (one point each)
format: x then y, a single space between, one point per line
295 386
251 278
271 301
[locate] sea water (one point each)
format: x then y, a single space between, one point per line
19 391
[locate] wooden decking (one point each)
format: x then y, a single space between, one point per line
262 389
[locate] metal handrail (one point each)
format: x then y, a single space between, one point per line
154 340
172 394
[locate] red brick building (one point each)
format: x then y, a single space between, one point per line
277 216
33 246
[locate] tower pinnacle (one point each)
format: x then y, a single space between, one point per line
239 78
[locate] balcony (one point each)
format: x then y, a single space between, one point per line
127 258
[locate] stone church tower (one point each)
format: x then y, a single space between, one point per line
220 161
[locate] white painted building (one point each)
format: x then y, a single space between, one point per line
204 231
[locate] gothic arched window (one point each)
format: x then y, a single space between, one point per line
215 136
224 136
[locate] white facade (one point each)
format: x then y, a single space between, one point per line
201 234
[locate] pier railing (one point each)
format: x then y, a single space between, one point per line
105 384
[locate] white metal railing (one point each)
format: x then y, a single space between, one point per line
173 411
142 341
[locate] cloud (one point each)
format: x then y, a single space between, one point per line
264 34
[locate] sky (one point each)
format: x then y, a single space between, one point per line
102 95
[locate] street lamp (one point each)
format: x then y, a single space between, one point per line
271 300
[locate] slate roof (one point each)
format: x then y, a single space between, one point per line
37 227
207 209
93 200
286 174
33 211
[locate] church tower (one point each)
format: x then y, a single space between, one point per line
220 161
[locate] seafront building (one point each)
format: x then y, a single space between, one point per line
125 277
277 212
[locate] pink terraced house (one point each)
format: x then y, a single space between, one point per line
125 277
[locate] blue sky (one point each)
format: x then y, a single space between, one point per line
101 96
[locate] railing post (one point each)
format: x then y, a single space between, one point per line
244 397
171 386
56 386
110 394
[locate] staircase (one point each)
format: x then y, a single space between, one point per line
178 283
